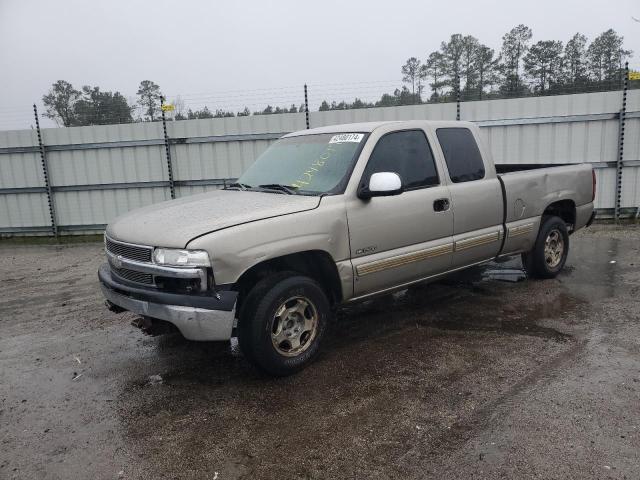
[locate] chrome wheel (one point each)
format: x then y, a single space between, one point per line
294 327
553 248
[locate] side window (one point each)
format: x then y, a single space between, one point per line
406 153
461 153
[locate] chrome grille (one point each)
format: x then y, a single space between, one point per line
133 276
132 252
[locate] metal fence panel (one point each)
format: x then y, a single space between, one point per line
438 111
551 106
102 206
23 210
100 172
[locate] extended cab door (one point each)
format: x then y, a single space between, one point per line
476 196
401 238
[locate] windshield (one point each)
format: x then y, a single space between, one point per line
310 164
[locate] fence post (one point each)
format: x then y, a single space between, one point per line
45 173
457 97
306 105
621 124
167 149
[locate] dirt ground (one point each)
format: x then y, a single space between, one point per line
483 375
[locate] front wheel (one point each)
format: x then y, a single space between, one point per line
282 323
550 250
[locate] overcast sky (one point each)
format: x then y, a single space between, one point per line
236 53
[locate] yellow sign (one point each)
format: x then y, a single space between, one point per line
634 75
168 107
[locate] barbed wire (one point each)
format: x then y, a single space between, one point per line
282 98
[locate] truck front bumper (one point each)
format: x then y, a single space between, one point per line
198 317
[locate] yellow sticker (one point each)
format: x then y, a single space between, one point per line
168 107
634 75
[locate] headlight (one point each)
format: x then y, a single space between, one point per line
181 258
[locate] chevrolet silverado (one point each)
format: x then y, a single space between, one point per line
334 215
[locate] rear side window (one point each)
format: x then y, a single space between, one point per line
461 154
406 153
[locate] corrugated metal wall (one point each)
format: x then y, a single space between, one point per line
90 167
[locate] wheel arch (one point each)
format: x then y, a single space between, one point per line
565 209
316 264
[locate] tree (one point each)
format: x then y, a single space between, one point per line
514 46
220 113
199 114
149 99
324 106
486 67
403 96
386 100
470 46
101 108
434 69
357 103
575 62
452 52
411 74
606 56
179 109
245 113
543 64
59 102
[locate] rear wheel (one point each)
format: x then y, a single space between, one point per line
282 323
550 250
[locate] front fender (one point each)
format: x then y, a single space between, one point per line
235 250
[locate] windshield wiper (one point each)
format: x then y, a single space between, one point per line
241 186
279 187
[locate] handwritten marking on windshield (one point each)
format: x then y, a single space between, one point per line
307 175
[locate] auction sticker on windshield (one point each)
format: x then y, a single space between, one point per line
347 137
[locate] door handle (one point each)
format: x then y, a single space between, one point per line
441 205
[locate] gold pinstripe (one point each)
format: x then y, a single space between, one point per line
404 259
478 240
399 260
520 230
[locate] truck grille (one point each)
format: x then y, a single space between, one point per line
133 276
131 252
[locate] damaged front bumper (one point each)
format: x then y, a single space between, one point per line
199 317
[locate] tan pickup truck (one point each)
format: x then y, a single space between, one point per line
334 215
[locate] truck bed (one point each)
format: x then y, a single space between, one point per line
530 188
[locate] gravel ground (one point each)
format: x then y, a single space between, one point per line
483 375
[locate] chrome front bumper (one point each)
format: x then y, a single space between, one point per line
197 317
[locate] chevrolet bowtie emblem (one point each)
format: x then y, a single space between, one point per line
117 261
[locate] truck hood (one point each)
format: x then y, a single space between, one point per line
176 222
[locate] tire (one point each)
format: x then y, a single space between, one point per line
282 323
549 253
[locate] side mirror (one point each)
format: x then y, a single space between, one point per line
382 184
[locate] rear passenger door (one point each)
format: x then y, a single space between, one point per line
476 197
402 238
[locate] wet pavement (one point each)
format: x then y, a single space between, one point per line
483 375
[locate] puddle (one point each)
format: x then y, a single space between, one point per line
516 327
